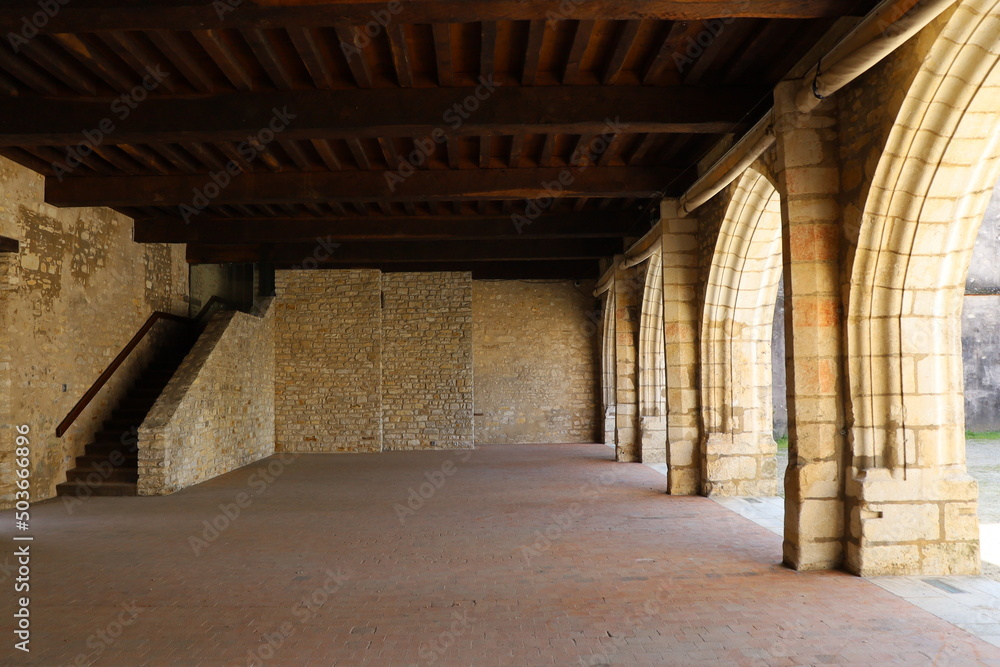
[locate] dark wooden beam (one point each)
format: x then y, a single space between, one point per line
9 244
573 269
415 112
426 228
322 187
329 251
99 15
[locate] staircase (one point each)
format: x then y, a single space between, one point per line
110 464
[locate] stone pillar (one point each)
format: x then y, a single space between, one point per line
626 313
609 368
652 366
680 334
809 178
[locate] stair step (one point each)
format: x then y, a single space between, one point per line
128 461
102 476
82 490
105 448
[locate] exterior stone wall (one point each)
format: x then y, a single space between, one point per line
536 362
217 412
981 326
427 376
71 298
328 361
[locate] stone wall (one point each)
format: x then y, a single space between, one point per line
217 412
328 361
427 360
536 362
72 297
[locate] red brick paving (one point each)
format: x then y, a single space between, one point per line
626 575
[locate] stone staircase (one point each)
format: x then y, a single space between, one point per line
110 464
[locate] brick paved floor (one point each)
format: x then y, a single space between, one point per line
526 555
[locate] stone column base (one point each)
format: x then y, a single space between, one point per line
743 464
609 425
923 525
653 439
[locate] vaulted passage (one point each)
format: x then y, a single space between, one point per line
508 555
515 295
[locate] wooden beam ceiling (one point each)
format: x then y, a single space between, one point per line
104 15
321 187
332 253
415 228
399 112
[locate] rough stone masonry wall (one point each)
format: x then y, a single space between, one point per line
217 412
536 362
427 360
72 297
328 361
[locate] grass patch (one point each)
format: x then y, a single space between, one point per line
782 443
983 435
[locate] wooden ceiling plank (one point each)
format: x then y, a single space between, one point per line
488 50
533 53
27 73
623 44
91 57
359 154
218 46
407 251
664 56
57 64
263 47
312 51
354 55
297 154
326 154
96 15
344 114
581 39
400 54
442 54
175 157
137 55
319 186
182 60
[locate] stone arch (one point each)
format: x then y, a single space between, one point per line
928 197
608 368
652 366
739 448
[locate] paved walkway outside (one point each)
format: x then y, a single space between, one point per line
525 555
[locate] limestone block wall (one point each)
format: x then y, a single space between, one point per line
328 361
536 362
71 298
427 373
217 412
